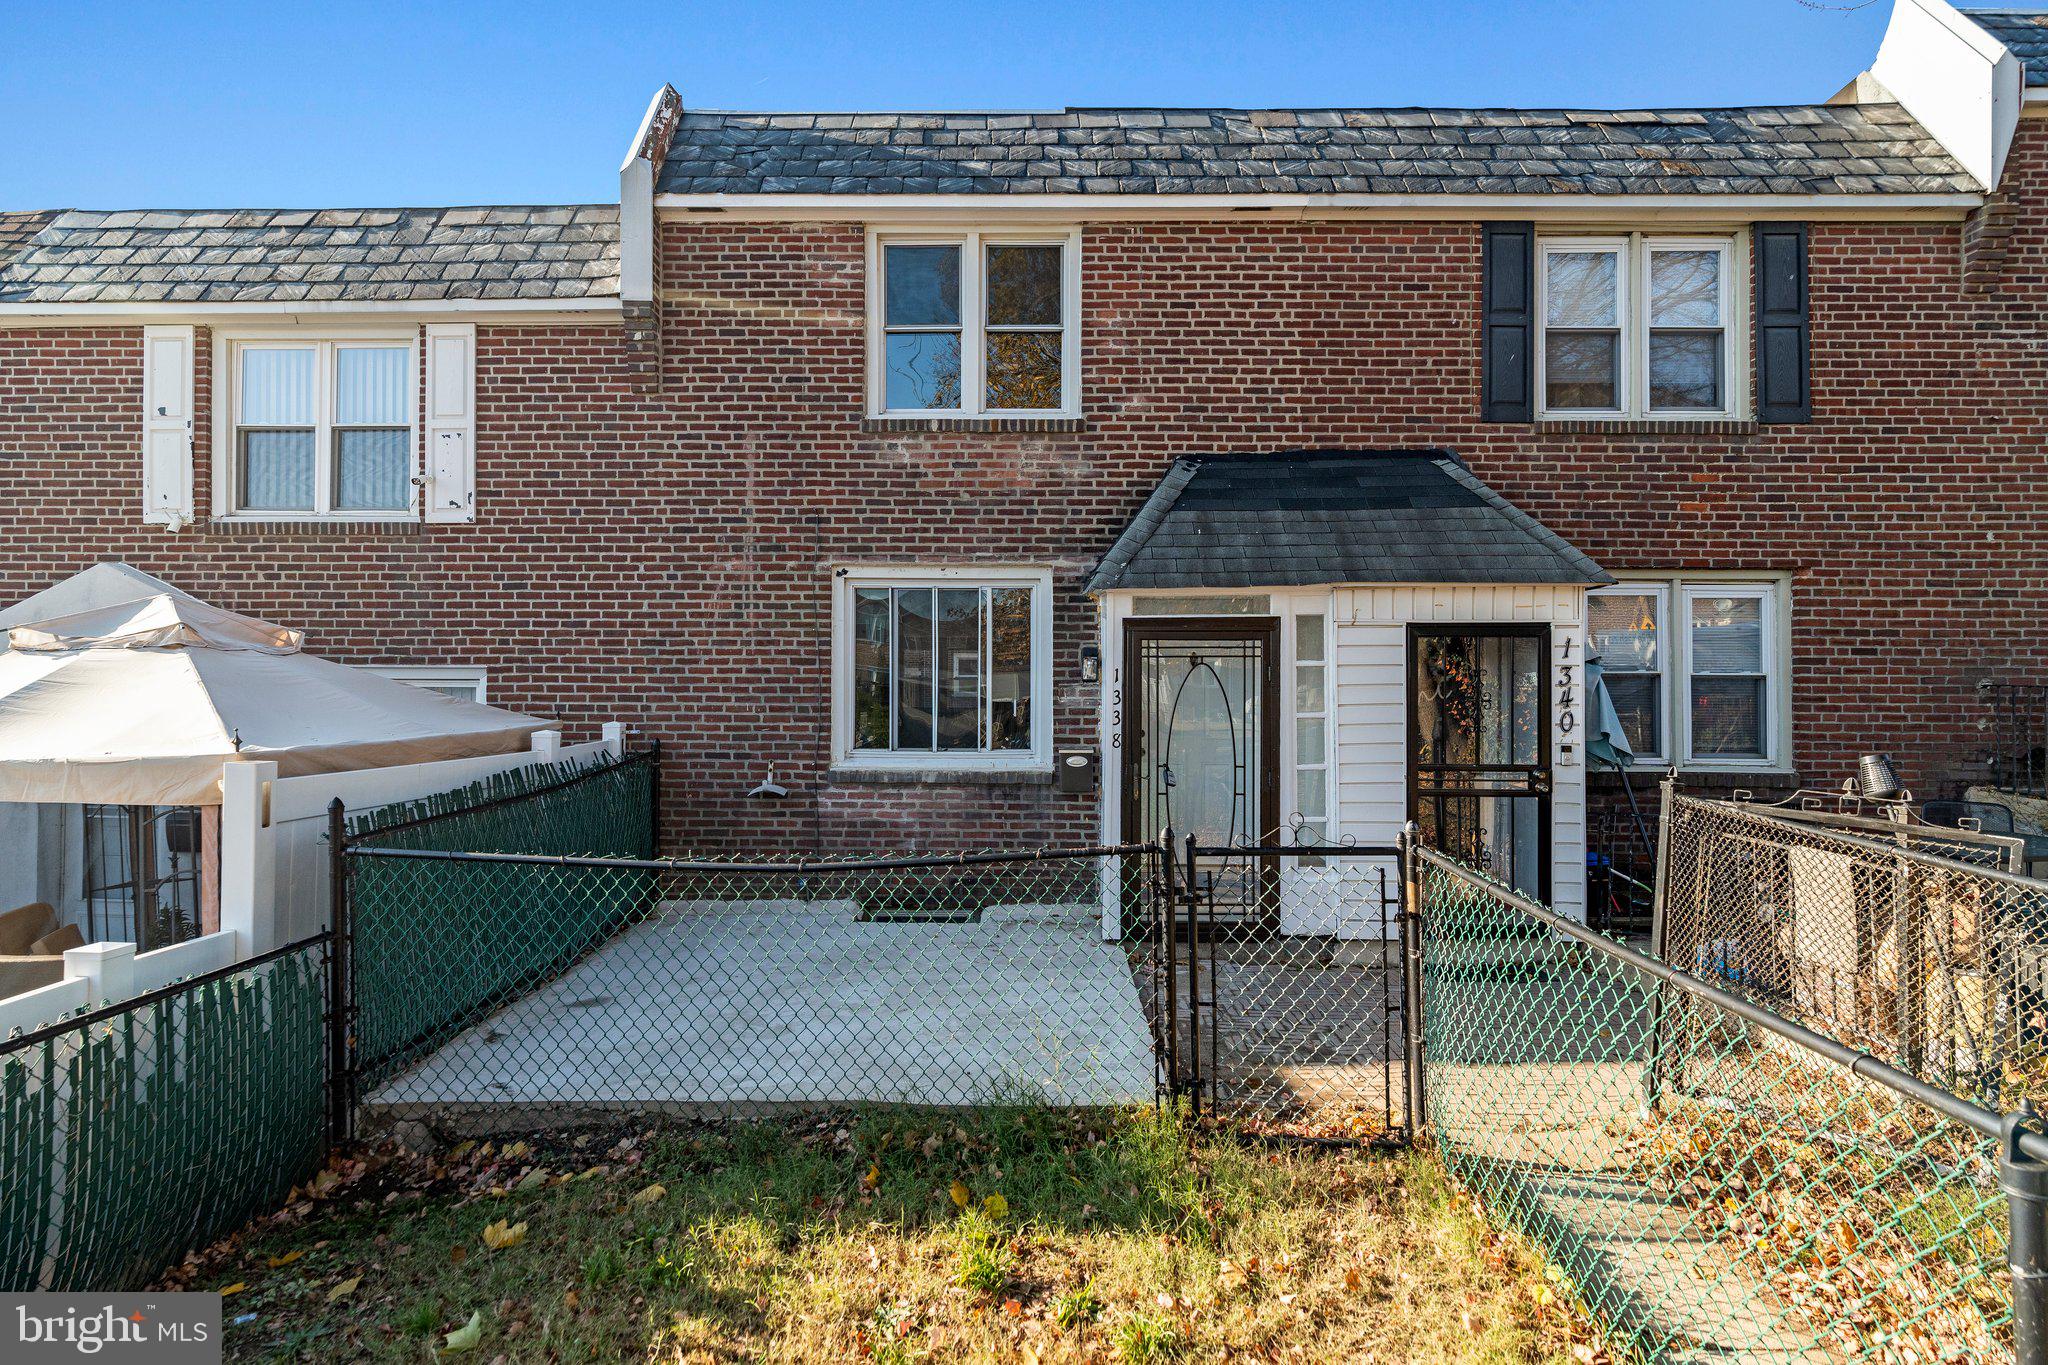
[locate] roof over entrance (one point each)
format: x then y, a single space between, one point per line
1333 516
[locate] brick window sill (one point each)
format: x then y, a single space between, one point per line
240 526
1640 426
989 424
938 777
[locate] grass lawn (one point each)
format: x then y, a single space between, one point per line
1015 1235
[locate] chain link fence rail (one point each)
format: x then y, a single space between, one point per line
1716 1182
1911 942
133 1133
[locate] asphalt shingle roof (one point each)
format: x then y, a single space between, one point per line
292 255
1803 149
2024 32
1333 516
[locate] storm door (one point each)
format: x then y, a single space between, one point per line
1479 748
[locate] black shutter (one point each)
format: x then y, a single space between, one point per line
1784 371
1508 323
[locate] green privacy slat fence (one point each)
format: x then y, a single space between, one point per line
1710 1189
437 946
127 1140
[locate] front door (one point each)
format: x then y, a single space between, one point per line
1479 748
1201 735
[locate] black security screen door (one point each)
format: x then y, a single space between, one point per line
1200 734
1479 748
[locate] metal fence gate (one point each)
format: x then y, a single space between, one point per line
1279 987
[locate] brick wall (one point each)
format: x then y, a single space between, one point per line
661 557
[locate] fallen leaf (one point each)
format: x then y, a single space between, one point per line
497 1236
466 1337
514 1150
345 1288
533 1179
237 1287
651 1195
1353 1278
457 1255
571 1299
872 1178
275 1261
1013 1308
961 1194
996 1206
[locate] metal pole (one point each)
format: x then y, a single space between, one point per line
654 797
1194 982
2025 1182
1659 897
1411 976
1164 928
340 1002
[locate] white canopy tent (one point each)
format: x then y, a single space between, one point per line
139 701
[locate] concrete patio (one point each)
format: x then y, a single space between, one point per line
743 1006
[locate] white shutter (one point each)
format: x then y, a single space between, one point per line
451 422
167 425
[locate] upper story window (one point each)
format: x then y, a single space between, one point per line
939 668
1696 669
461 682
1639 326
322 428
974 324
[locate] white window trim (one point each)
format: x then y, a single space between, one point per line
973 320
226 401
438 675
1633 345
846 578
1674 594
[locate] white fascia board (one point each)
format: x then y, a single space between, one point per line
1961 83
322 310
987 208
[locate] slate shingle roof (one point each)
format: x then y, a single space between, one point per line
1804 149
292 255
2024 32
1333 516
18 229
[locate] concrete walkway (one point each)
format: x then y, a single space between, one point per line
734 1007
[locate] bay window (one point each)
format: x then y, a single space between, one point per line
1696 669
1637 326
973 324
321 428
943 668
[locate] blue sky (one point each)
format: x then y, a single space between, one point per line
111 104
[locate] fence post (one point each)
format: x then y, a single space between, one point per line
654 797
1163 928
1411 975
1660 898
2025 1182
340 998
1194 981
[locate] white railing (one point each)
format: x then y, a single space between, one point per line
108 973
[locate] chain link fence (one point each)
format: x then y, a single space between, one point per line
1713 1181
135 1132
578 975
1909 941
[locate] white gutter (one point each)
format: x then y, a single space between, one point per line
882 208
1961 83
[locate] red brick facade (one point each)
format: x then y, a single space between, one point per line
663 557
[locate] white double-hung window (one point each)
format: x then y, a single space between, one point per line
942 668
974 324
321 428
1639 327
1696 669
